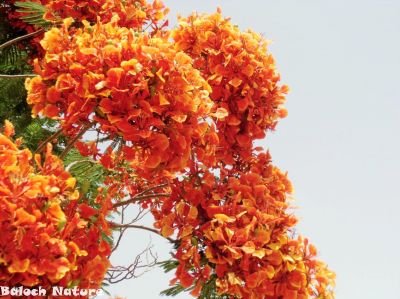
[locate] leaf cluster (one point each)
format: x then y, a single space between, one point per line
32 13
13 60
208 291
88 173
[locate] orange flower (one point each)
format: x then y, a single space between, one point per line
242 76
236 227
42 243
132 85
194 108
140 15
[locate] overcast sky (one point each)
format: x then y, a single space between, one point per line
340 142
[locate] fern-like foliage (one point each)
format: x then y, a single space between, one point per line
13 106
13 60
174 290
89 174
11 55
208 291
169 265
32 13
37 131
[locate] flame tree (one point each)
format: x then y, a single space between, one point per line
147 116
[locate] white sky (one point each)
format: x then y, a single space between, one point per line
341 59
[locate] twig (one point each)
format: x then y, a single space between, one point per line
48 139
20 38
23 76
138 198
151 189
120 273
116 225
75 139
121 231
139 216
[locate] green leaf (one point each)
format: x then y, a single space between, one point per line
107 238
73 283
169 265
30 5
32 13
209 290
39 130
11 56
173 291
61 224
88 173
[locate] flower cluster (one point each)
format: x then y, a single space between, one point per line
131 85
132 13
135 14
48 237
237 228
242 76
181 109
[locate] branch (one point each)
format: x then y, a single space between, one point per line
20 38
23 76
116 225
49 139
120 273
151 189
75 139
121 232
139 216
138 198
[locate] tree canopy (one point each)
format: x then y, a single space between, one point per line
106 107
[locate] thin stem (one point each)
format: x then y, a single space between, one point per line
151 189
116 225
48 139
20 38
121 231
139 198
23 76
75 139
